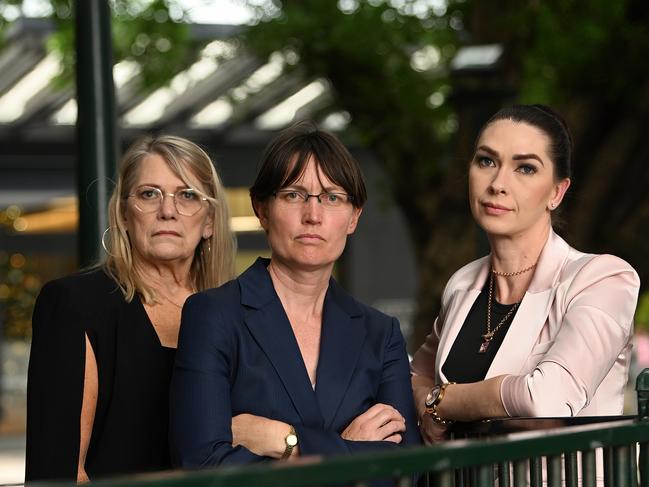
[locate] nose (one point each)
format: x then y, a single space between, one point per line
167 207
312 213
499 182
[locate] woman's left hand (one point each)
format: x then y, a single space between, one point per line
262 436
431 431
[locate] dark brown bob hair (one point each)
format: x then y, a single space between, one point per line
286 156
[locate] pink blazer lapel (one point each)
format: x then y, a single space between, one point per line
533 312
523 334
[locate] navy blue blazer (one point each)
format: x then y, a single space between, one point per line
237 354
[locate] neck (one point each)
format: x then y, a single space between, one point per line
517 252
511 254
171 277
301 292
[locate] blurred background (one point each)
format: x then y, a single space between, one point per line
405 83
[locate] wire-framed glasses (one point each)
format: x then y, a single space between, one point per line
148 199
297 197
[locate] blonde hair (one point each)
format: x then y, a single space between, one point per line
213 262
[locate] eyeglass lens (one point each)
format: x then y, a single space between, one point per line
186 201
290 197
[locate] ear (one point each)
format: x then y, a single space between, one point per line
558 193
208 227
261 211
353 222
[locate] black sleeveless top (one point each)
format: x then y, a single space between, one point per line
130 428
464 363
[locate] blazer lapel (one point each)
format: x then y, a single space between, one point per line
341 341
533 312
523 333
457 310
267 321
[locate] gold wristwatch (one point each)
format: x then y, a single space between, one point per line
433 399
291 442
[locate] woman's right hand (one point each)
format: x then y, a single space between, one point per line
381 422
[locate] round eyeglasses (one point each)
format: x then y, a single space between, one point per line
148 199
296 197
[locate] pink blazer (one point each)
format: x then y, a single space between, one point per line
568 348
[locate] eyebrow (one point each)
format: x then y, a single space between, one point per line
150 185
328 189
515 157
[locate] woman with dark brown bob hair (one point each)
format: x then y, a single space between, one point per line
282 362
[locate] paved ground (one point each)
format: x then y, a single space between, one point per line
12 459
12 420
12 439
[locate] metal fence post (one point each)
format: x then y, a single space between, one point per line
96 143
642 390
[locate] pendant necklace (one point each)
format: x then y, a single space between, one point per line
487 337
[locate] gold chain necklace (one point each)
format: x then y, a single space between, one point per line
167 298
179 306
516 273
487 337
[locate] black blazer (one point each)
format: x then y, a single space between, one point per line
237 354
130 429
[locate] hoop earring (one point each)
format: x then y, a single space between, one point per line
103 241
205 247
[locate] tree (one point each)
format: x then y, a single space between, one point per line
388 62
586 58
152 33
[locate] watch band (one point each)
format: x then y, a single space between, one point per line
291 442
432 410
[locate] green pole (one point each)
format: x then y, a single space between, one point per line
96 141
642 390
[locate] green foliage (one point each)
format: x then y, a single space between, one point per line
152 33
573 46
5 7
19 286
642 312
146 36
585 57
368 49
143 33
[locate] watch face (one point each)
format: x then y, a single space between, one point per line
431 398
291 440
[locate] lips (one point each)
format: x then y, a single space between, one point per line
309 237
494 209
166 233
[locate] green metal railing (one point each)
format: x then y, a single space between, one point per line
458 462
560 456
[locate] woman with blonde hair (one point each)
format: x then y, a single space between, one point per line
104 340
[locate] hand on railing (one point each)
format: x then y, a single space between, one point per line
431 431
